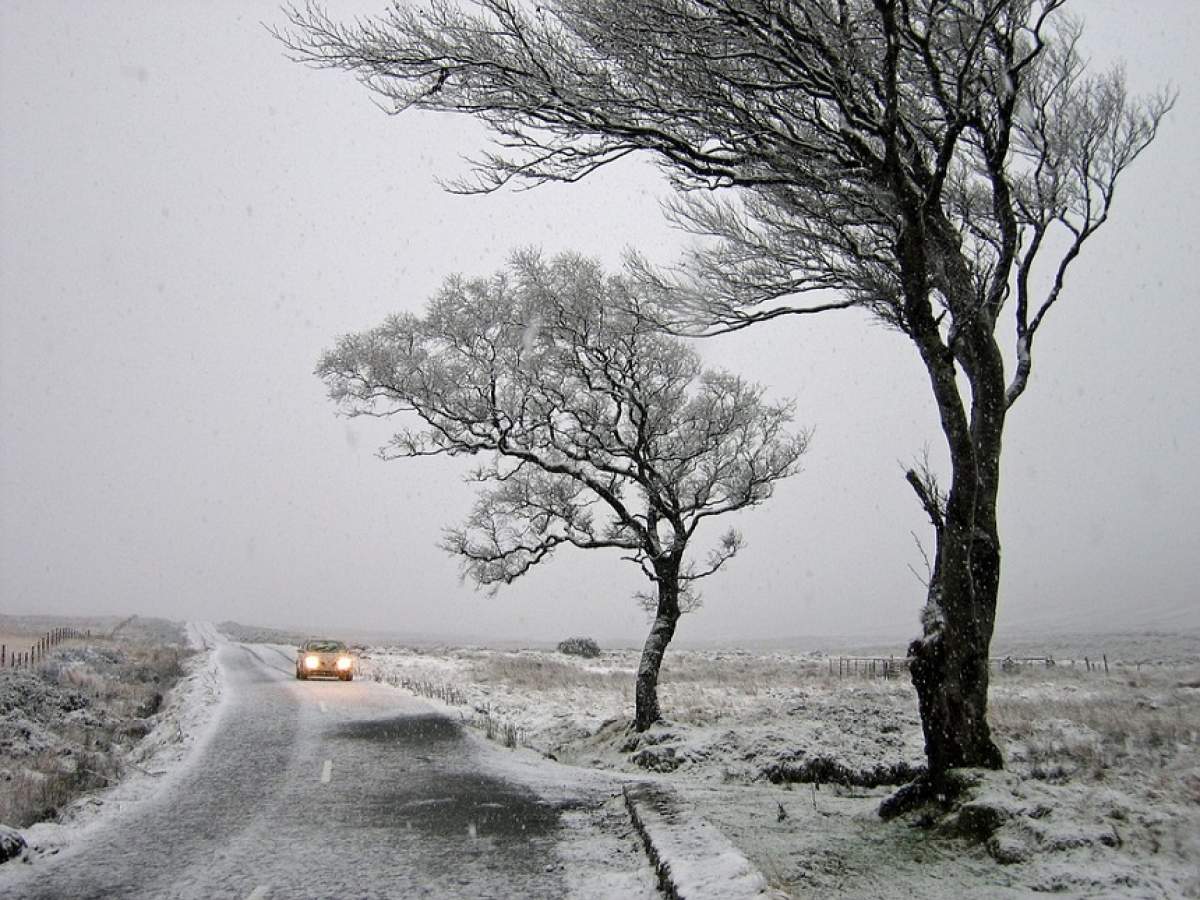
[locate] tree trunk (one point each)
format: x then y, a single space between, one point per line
949 663
646 709
949 667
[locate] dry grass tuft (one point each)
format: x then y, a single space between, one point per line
48 781
496 728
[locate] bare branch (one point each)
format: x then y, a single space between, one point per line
924 482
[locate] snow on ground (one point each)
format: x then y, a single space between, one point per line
182 724
693 856
593 835
1101 797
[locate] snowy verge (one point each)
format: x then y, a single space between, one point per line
694 861
690 857
184 723
1100 796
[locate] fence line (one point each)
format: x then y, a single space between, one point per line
1012 663
868 666
891 667
24 659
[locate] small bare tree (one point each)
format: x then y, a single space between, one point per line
603 432
939 163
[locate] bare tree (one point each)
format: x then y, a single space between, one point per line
603 432
939 163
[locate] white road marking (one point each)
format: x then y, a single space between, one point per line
321 704
327 771
259 892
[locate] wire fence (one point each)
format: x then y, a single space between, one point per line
893 666
25 659
867 666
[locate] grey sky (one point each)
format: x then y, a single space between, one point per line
187 219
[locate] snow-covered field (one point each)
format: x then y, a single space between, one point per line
1101 797
35 724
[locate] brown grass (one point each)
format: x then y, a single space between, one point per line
747 670
1086 725
19 640
47 782
24 641
540 673
123 688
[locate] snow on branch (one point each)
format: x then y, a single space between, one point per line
601 432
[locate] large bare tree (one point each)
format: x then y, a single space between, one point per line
602 432
940 163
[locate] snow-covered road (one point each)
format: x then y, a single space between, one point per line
330 789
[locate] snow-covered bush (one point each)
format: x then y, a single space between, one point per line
580 646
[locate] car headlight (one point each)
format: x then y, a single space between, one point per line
311 662
344 663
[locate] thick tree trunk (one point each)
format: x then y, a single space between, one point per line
949 663
646 709
949 666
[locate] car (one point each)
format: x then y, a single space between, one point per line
320 656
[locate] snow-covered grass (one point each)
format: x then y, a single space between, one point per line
183 723
1072 724
68 723
1101 796
105 722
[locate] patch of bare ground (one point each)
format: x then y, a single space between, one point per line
68 723
1101 797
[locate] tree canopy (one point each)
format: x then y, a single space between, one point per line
971 128
601 431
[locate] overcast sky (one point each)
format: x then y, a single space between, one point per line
188 220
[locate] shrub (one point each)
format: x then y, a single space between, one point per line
580 646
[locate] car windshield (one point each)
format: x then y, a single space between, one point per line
325 646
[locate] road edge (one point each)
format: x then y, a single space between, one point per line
694 860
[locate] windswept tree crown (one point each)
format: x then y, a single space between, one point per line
963 132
